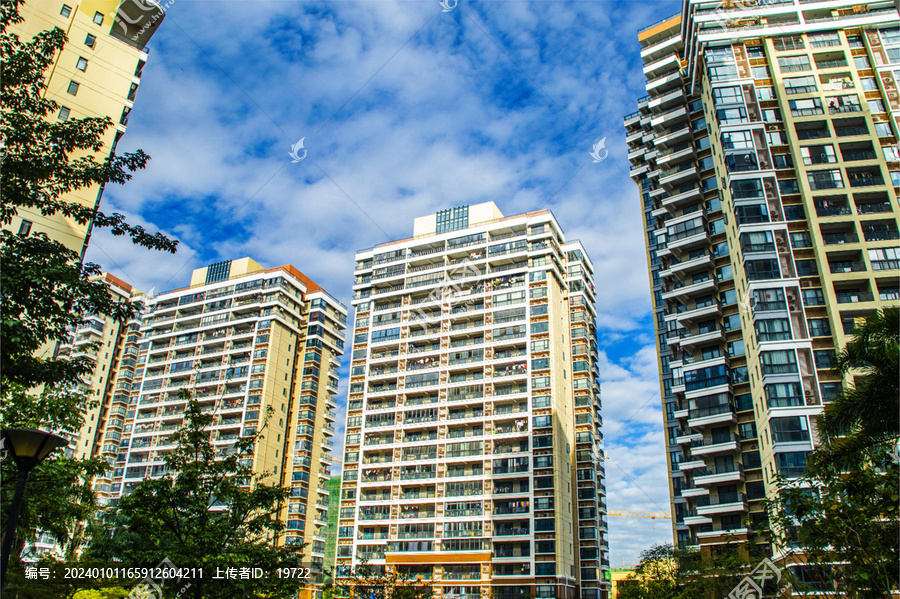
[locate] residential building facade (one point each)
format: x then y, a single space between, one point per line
473 450
241 340
97 74
766 157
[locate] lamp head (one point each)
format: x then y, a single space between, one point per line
30 447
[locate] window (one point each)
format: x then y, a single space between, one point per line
771 115
727 95
790 64
819 327
25 228
760 72
788 42
824 39
813 297
885 258
776 329
876 106
883 130
783 161
737 140
90 40
758 270
64 113
66 10
73 88
776 138
765 93
808 107
755 52
800 85
830 179
81 64
862 62
794 212
806 268
869 84
778 362
452 219
752 213
98 18
731 116
801 239
722 73
784 395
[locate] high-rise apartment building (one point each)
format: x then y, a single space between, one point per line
241 340
102 339
97 74
766 156
112 347
473 447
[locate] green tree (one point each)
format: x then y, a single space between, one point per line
664 572
655 577
863 423
844 510
44 286
210 511
850 518
380 582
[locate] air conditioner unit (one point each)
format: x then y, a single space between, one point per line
783 250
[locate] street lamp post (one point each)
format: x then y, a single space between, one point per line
29 447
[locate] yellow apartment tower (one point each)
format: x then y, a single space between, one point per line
97 74
766 157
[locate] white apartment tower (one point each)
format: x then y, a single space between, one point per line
473 444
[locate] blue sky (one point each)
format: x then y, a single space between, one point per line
404 110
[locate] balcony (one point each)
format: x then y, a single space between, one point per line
721 504
839 238
720 414
685 437
683 198
672 136
855 297
679 176
703 337
715 444
719 475
661 84
691 465
846 267
681 290
667 100
661 66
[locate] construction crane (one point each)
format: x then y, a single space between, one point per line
651 515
